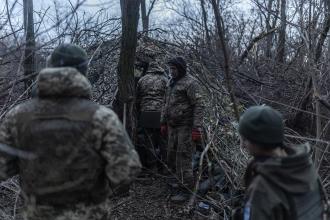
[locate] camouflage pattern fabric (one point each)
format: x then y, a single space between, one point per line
154 67
63 82
147 52
184 103
150 98
63 103
151 90
183 111
79 211
179 154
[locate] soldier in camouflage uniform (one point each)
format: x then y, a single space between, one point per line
181 120
150 99
81 150
281 181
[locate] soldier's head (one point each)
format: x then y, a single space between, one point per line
69 55
261 130
154 67
145 54
178 67
140 67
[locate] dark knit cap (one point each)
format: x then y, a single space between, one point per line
180 63
70 55
262 125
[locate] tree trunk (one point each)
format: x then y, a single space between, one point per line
281 38
144 17
324 33
269 42
126 88
222 44
29 53
207 32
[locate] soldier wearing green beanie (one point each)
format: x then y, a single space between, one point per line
66 55
69 55
263 126
281 182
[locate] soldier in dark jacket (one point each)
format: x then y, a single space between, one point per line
181 120
81 150
150 99
281 181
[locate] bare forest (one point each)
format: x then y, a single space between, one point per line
243 53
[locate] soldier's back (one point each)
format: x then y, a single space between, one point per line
151 91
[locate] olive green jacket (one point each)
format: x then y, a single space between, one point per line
284 188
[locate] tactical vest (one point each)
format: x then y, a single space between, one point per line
67 168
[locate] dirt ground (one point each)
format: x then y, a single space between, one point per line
150 199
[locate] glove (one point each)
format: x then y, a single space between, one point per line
163 130
196 134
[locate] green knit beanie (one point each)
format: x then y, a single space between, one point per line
262 125
70 55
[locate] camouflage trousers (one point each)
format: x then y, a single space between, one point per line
151 147
79 211
180 152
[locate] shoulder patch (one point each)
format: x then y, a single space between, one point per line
247 211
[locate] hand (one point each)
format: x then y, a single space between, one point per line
196 134
163 130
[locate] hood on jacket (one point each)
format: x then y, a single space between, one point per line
180 64
294 173
63 82
154 67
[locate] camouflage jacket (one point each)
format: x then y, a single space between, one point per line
184 103
151 91
81 147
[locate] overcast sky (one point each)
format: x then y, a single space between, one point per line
159 15
96 4
91 6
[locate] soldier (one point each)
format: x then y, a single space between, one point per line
150 99
145 54
181 120
81 149
281 181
